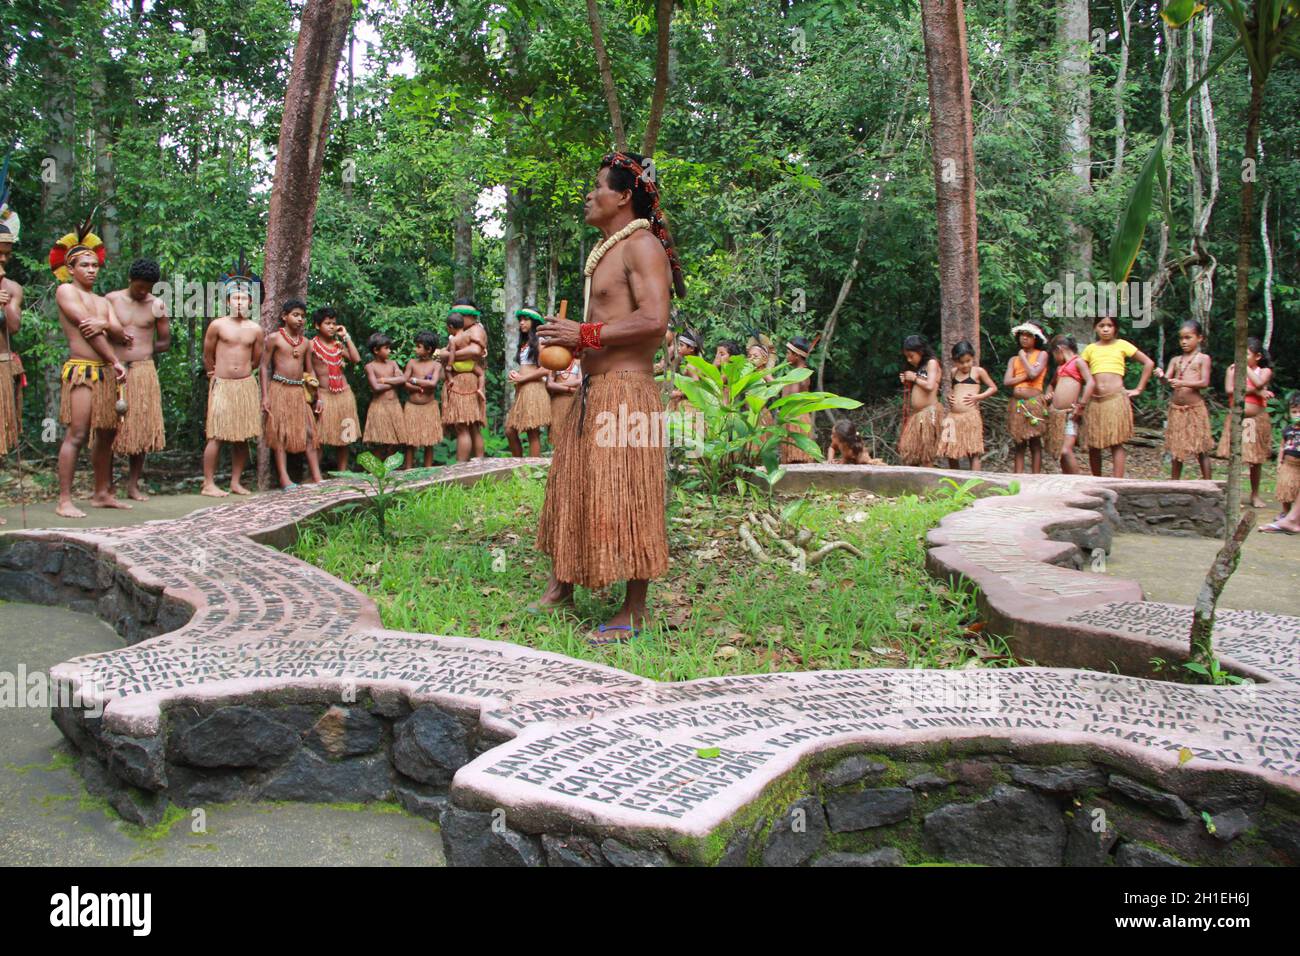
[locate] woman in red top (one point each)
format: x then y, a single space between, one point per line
1256 427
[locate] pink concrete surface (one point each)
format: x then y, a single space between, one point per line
590 744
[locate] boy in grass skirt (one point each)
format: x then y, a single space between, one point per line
338 424
290 400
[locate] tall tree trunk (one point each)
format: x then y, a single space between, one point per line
298 164
663 20
846 285
56 179
1268 262
1160 277
1241 318
1125 8
513 297
530 266
606 76
943 25
1072 73
1202 273
463 248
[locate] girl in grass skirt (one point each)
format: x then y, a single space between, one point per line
963 428
1110 413
922 414
1188 436
1256 427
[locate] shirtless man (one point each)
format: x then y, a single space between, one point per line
603 519
89 393
290 422
144 316
11 313
232 348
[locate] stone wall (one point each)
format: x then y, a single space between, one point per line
879 809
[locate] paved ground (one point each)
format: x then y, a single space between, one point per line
1173 569
41 514
47 818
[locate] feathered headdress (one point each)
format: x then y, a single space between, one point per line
67 250
241 278
10 224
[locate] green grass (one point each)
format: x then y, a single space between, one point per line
717 612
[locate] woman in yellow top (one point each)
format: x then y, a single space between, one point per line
1110 414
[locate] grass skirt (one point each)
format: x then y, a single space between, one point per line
1256 439
791 454
234 409
141 430
919 442
1054 439
340 422
532 407
423 424
1288 480
560 408
962 436
8 408
603 520
1020 411
1188 433
99 379
461 404
1110 420
290 424
385 423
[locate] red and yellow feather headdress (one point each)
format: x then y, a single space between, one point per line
70 247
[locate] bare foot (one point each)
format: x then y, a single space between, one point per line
238 490
67 509
212 491
135 494
1258 502
108 501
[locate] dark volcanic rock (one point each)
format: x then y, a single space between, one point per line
796 835
236 736
620 854
1011 827
850 770
1090 839
470 839
345 732
571 849
430 746
1059 781
311 777
1166 805
869 808
137 760
1135 854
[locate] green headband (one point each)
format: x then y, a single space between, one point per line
465 310
529 314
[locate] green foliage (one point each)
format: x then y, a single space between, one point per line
378 480
745 422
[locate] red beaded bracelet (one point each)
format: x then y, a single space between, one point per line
589 335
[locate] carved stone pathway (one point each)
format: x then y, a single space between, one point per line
566 746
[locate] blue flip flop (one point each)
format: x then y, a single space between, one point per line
290 486
606 628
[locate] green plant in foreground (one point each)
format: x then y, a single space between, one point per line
380 477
